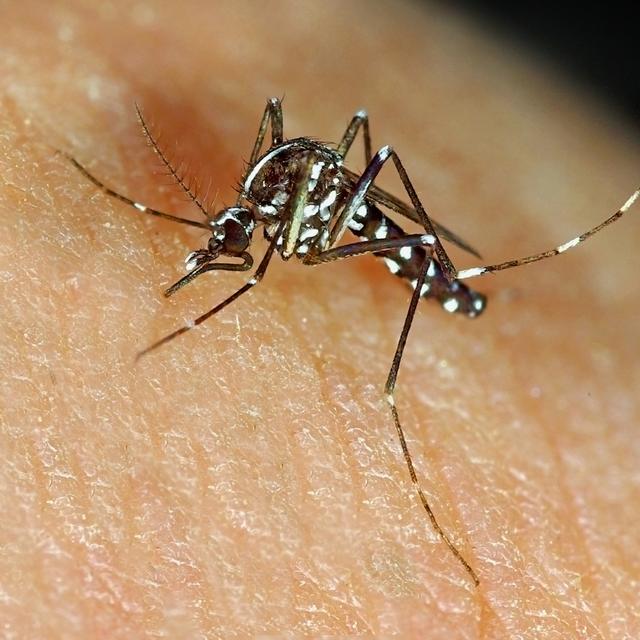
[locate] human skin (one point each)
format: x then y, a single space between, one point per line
246 480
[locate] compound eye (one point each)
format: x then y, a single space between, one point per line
236 239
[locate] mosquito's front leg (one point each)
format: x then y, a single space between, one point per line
201 261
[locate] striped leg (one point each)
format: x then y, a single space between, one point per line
550 253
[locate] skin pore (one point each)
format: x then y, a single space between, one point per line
246 480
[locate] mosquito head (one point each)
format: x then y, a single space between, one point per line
231 231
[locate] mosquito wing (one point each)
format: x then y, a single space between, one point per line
395 204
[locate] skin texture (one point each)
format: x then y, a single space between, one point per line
246 480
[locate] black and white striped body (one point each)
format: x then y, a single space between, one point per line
370 223
269 187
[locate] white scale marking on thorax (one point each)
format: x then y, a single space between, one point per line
316 170
309 232
310 210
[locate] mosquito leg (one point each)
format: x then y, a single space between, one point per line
369 246
359 121
445 262
518 262
274 105
356 199
136 205
359 248
298 200
257 276
390 385
389 389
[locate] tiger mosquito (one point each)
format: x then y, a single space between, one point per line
305 199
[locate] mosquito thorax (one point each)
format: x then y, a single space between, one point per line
231 230
276 177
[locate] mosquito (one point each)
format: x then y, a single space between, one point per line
305 200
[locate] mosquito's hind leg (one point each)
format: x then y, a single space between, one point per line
550 253
136 205
359 121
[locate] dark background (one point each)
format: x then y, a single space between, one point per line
597 45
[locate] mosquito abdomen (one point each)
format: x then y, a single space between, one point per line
370 223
